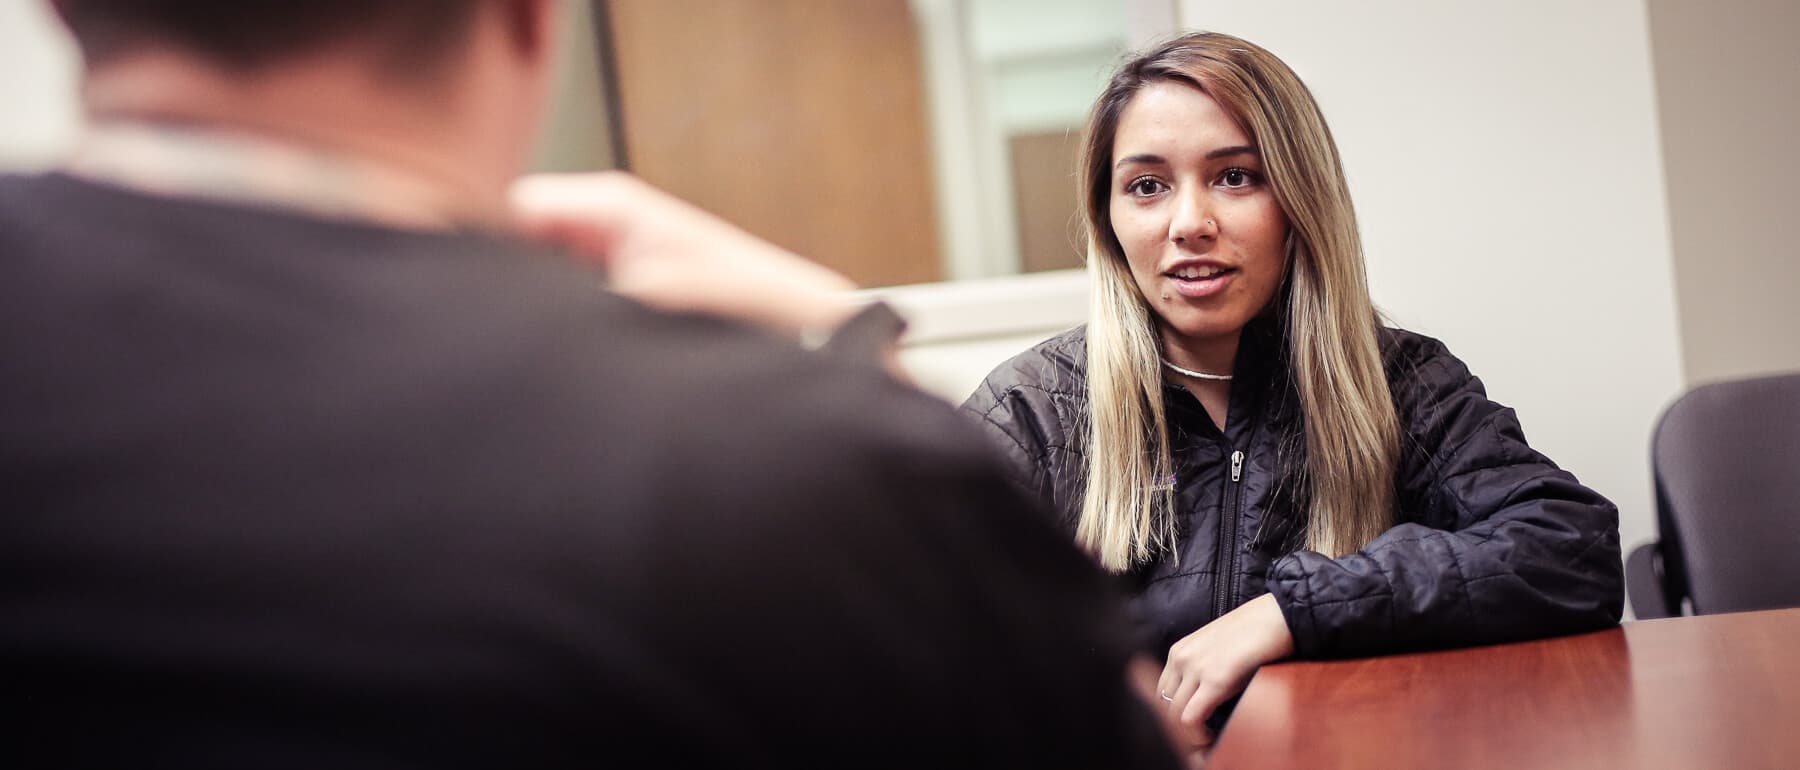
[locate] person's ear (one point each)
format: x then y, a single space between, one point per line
530 25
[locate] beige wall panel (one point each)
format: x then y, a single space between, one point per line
1728 93
1044 188
799 120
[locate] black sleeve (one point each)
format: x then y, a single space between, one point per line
937 609
1008 417
1496 542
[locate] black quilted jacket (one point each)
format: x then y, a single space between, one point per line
1493 543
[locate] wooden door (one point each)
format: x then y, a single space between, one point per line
799 120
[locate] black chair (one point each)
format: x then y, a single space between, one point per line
1726 460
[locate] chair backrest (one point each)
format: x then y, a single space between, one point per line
1726 458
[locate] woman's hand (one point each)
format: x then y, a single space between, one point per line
1212 664
662 251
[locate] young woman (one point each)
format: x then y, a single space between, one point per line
1273 471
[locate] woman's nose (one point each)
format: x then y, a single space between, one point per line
1192 219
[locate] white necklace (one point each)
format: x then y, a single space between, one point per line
1194 374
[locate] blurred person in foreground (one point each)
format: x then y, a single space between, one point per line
1271 469
310 463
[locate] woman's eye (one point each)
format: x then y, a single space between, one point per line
1237 177
1144 186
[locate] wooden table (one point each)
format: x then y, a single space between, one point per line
1715 691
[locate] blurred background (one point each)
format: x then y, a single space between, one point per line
898 141
1591 203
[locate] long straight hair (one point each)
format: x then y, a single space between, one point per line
1333 360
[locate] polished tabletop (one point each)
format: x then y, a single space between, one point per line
1711 691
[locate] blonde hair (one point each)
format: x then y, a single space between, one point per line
1333 357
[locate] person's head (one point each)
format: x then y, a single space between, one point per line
248 36
475 71
1212 194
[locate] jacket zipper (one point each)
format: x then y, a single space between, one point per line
1228 516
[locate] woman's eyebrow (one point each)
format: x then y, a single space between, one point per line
1242 149
1153 160
1222 152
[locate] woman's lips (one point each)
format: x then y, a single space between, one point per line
1195 288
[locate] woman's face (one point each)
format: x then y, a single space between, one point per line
1201 229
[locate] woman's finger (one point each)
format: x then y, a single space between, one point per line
1206 699
1190 737
1190 681
1168 683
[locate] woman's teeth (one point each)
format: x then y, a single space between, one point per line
1199 273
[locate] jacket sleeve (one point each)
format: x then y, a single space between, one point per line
1496 543
1011 420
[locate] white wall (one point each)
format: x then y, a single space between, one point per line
38 68
1728 88
1504 162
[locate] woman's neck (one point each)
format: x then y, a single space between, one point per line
1214 357
1217 355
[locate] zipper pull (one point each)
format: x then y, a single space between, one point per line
1237 465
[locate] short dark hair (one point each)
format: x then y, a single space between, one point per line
247 35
